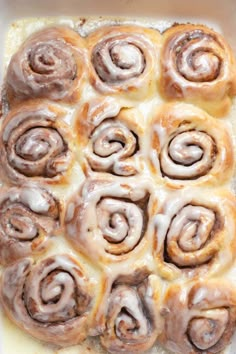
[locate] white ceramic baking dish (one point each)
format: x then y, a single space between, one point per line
219 14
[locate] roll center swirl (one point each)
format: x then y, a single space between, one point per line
206 332
188 155
36 143
116 60
197 57
119 220
52 59
17 225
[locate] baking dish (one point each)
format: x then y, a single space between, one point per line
219 15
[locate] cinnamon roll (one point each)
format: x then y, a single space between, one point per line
133 319
36 144
50 64
108 137
198 66
50 300
108 219
189 147
199 318
28 216
124 60
195 233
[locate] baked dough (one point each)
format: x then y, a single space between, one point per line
124 60
117 219
198 66
200 317
109 219
195 233
51 300
109 138
189 147
50 64
28 216
36 144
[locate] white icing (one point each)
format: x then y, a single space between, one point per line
128 299
35 199
188 155
199 296
161 132
14 123
121 59
111 147
162 223
70 211
25 343
205 64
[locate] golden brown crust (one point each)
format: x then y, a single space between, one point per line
140 219
199 317
109 138
50 300
189 147
124 60
108 220
29 215
195 233
36 144
133 319
198 66
50 64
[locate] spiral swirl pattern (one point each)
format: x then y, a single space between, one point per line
132 321
114 217
195 233
189 147
50 64
188 242
118 59
50 300
28 216
121 224
188 155
201 318
111 148
198 57
123 59
33 144
155 249
198 66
